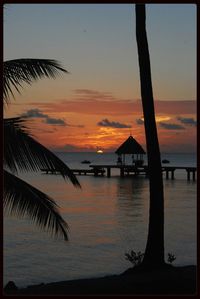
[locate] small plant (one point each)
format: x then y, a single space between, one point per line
134 257
171 258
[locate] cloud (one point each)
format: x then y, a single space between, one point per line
87 91
55 121
36 113
106 123
90 102
94 94
139 121
187 121
77 126
73 148
169 126
159 118
169 107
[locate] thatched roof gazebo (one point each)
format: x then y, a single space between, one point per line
131 147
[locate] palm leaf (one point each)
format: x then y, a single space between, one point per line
23 153
22 199
26 70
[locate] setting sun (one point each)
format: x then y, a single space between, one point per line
99 152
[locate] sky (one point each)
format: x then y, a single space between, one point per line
98 104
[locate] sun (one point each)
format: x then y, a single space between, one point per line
99 152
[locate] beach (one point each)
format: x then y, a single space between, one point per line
173 281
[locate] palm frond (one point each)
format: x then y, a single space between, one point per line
22 199
27 70
24 153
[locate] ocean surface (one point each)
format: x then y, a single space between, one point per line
107 218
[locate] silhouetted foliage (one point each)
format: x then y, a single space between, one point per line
171 258
26 70
24 153
134 257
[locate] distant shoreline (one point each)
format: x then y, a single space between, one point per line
113 152
177 280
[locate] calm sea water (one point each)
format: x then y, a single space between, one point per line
107 217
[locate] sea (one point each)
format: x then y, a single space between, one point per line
107 218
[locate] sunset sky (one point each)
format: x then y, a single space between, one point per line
98 105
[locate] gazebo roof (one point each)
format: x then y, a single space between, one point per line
130 146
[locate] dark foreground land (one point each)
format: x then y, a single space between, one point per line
175 280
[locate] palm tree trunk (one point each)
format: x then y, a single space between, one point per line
154 253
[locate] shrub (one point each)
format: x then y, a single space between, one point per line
171 258
134 257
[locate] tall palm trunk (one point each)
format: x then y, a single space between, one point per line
154 253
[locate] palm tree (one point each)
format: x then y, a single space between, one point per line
154 252
23 153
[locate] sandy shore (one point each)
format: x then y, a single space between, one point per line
177 280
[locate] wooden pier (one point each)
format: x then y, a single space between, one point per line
127 170
143 170
94 172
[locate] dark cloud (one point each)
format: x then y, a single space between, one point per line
169 126
139 121
106 123
73 148
55 121
77 126
93 94
36 113
187 121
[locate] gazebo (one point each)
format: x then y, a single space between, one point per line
130 147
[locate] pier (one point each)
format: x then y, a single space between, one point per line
128 170
95 172
136 168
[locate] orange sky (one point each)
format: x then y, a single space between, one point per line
92 119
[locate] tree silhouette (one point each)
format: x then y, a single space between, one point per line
23 153
154 252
